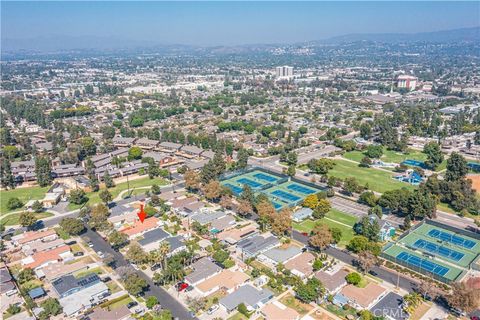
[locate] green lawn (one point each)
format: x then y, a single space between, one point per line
24 194
347 232
342 217
389 155
93 197
377 180
13 218
116 303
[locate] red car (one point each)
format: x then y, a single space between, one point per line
182 286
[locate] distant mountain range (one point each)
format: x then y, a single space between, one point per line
456 35
66 43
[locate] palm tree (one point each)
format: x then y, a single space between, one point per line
163 251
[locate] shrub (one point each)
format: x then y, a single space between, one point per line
353 278
14 203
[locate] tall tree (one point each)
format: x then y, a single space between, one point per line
242 158
43 171
434 155
320 237
6 177
456 167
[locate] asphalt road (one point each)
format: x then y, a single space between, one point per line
165 299
389 276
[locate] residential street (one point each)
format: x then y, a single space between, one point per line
165 299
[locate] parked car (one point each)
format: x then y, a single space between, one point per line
90 244
100 254
106 279
78 254
135 266
182 286
132 304
213 308
71 243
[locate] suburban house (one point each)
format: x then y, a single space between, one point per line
6 282
56 270
203 269
253 246
278 255
360 298
301 265
68 285
151 239
234 235
226 280
120 313
39 246
253 298
138 228
84 299
29 236
176 244
332 281
302 214
44 258
276 310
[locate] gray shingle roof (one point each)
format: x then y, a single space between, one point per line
154 235
257 244
248 295
203 268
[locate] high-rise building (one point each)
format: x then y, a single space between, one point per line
407 82
284 72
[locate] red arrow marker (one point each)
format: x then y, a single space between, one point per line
142 215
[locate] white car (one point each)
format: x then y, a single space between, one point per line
213 308
100 254
135 266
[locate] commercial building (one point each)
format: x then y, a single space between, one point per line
284 72
407 82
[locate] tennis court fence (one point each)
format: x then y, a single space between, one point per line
417 268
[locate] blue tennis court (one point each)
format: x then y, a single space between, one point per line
276 205
448 237
235 189
301 189
249 182
423 263
440 250
286 196
265 177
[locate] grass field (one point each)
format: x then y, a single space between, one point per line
24 194
93 197
13 218
377 180
342 218
389 155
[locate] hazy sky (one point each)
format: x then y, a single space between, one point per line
212 23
